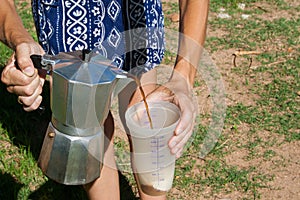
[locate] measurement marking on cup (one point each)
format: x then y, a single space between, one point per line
157 145
157 157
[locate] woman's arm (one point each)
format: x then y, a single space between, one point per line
12 31
193 22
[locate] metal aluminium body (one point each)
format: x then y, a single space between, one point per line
81 93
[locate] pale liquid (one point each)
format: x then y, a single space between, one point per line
169 170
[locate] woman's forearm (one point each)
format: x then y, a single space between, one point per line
193 22
12 31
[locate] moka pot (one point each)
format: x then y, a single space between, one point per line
82 86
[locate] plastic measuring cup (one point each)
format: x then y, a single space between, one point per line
153 162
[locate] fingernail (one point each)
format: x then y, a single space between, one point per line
19 101
178 155
175 150
28 71
177 132
172 144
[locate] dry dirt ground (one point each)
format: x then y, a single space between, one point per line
285 166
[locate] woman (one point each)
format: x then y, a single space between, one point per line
130 33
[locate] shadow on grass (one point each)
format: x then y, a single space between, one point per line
24 128
53 191
27 129
9 188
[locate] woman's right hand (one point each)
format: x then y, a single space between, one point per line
23 79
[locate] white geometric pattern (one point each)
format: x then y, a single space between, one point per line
114 37
101 27
113 10
69 25
76 31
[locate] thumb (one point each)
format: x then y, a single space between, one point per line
23 60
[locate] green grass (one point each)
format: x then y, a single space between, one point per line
254 129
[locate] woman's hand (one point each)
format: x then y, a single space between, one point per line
178 91
22 78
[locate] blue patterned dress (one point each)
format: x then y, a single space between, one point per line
130 32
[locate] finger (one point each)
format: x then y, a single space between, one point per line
187 118
12 76
178 142
179 153
29 100
24 61
35 104
183 141
183 130
176 139
42 81
27 89
180 139
26 67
